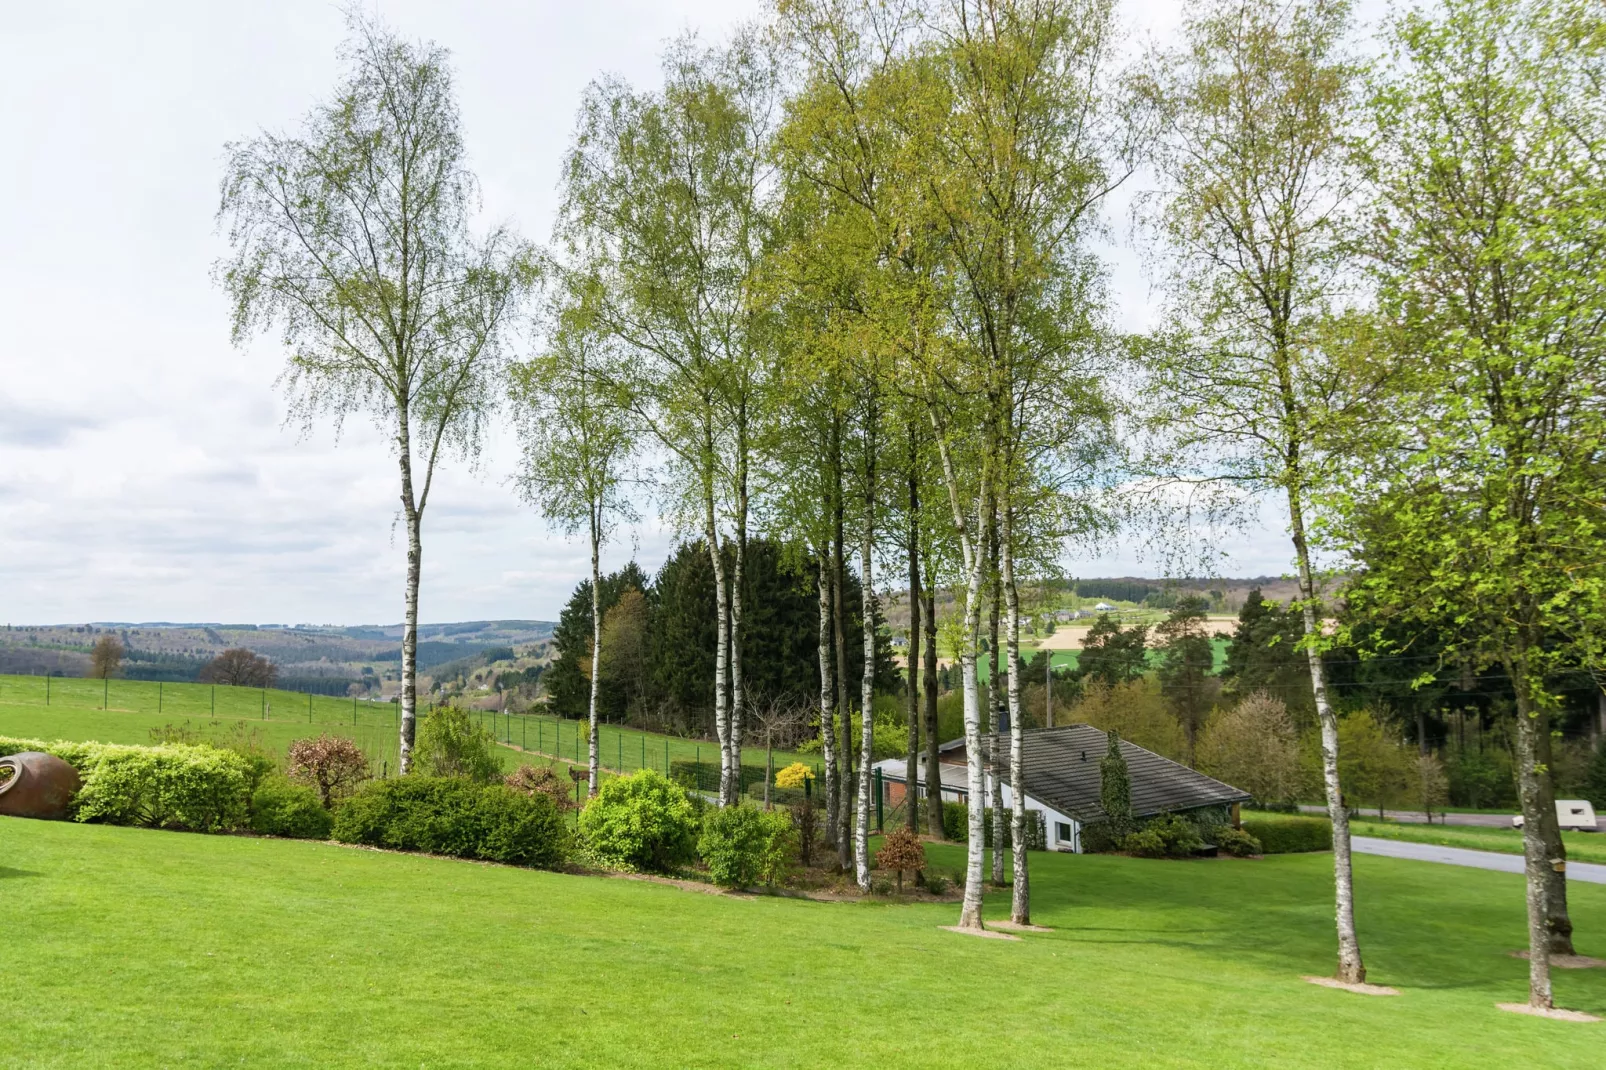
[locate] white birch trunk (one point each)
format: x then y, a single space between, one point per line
827 701
1350 967
1534 854
723 632
415 553
861 838
1020 898
738 691
596 651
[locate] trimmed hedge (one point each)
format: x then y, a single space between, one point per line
175 786
455 816
956 826
704 776
281 807
1291 835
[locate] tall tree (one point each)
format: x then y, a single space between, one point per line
577 449
1490 170
1257 109
352 237
1186 658
665 206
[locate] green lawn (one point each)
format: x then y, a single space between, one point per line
136 948
1581 846
125 711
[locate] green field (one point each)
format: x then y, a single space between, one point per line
136 948
125 711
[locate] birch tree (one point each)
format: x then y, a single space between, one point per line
1257 107
1484 510
665 205
352 239
577 451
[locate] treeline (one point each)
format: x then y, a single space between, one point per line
660 639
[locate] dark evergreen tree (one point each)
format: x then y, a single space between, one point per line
1111 654
567 684
1115 787
1187 656
1264 655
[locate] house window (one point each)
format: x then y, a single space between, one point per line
1062 832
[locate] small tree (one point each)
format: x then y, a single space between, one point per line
1254 746
1115 788
902 850
1187 658
106 658
451 743
334 765
239 667
1434 785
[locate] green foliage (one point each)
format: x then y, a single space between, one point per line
641 821
742 845
956 826
568 680
1595 779
1166 836
455 816
281 807
1235 842
1289 835
451 743
1186 658
1264 655
704 775
1112 655
1115 788
194 787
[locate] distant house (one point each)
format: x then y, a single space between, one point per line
1064 615
1104 607
1061 772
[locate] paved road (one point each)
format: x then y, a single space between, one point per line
1417 817
1590 872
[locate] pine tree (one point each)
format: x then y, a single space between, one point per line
1115 788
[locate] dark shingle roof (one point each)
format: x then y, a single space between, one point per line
1061 768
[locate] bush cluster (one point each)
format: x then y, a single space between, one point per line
193 787
1291 835
455 816
451 743
641 821
743 845
281 807
1166 836
956 826
1236 842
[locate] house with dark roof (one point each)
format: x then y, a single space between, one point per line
1060 769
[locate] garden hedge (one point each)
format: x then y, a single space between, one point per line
1290 835
176 786
455 816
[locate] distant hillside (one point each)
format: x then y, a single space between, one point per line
322 659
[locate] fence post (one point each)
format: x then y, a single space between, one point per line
214 700
878 787
264 692
158 696
105 690
47 689
643 750
666 756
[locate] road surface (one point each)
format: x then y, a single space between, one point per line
1589 872
1417 817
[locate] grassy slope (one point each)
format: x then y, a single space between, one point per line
138 948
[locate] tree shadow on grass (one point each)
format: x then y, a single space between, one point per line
4 873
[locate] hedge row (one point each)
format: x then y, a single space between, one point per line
956 826
1291 835
176 786
455 816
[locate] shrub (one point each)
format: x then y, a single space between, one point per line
454 816
1166 836
1100 838
1236 842
902 850
956 818
281 807
641 821
936 885
530 779
1115 786
179 787
793 776
333 765
742 845
1291 835
451 743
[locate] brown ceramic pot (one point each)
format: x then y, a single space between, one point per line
40 785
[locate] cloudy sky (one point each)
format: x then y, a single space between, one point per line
145 469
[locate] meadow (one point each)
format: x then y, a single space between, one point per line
141 948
